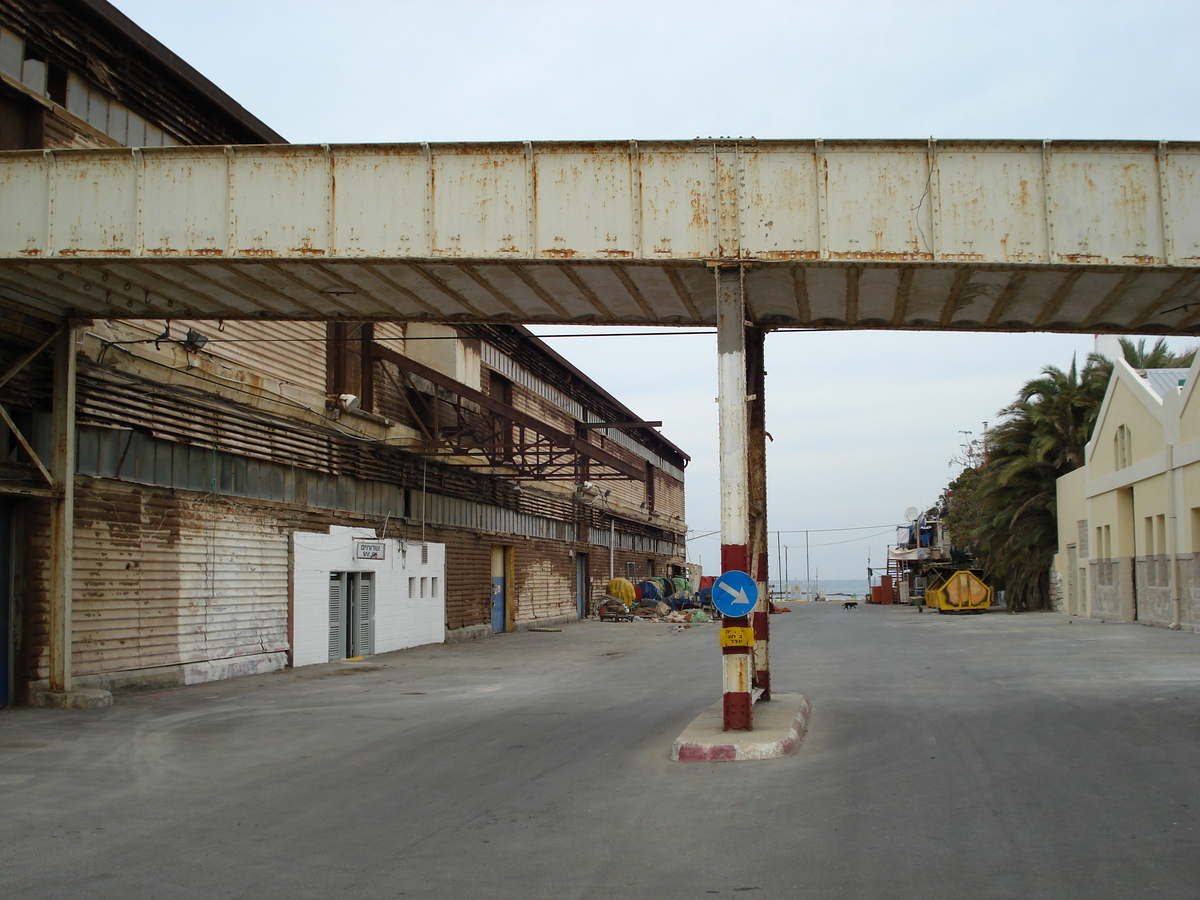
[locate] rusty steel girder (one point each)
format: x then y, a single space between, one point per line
460 421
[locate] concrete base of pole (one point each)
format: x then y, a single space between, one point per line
779 727
84 699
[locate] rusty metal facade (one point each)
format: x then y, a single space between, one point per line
1008 235
160 553
171 579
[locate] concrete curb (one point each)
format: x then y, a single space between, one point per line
779 727
481 632
84 699
545 622
179 675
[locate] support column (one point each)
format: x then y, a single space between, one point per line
737 675
1175 537
62 511
757 502
62 535
736 663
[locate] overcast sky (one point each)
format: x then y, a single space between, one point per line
864 423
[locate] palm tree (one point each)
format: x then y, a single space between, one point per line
1014 537
1159 356
1040 437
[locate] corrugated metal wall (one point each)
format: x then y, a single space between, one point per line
167 577
635 543
136 457
545 577
289 352
468 576
162 579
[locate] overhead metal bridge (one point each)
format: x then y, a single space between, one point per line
741 235
961 235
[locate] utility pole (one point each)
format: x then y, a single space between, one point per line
807 583
779 559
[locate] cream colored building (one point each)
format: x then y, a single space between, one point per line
1129 520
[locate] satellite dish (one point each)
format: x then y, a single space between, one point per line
911 514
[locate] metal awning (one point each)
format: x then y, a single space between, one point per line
961 235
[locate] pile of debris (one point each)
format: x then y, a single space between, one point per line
652 600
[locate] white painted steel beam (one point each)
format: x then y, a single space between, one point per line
732 433
961 235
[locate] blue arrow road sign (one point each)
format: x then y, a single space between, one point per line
735 593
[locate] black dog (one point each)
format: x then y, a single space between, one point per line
850 604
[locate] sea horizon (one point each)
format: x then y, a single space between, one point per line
845 587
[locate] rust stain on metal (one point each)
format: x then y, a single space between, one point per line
786 254
887 256
170 251
1082 258
30 252
257 251
1023 193
560 253
307 251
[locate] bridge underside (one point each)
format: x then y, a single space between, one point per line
962 297
957 235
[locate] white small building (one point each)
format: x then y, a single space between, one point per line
357 595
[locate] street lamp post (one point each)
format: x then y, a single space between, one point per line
807 583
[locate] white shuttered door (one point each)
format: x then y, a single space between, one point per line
364 614
351 614
337 615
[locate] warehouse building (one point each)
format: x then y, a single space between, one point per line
244 495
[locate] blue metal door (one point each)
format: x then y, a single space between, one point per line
498 604
5 604
581 584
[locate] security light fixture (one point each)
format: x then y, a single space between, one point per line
193 340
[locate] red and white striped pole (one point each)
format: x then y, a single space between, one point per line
737 660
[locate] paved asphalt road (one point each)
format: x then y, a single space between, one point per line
984 758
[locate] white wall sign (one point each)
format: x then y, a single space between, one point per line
370 549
